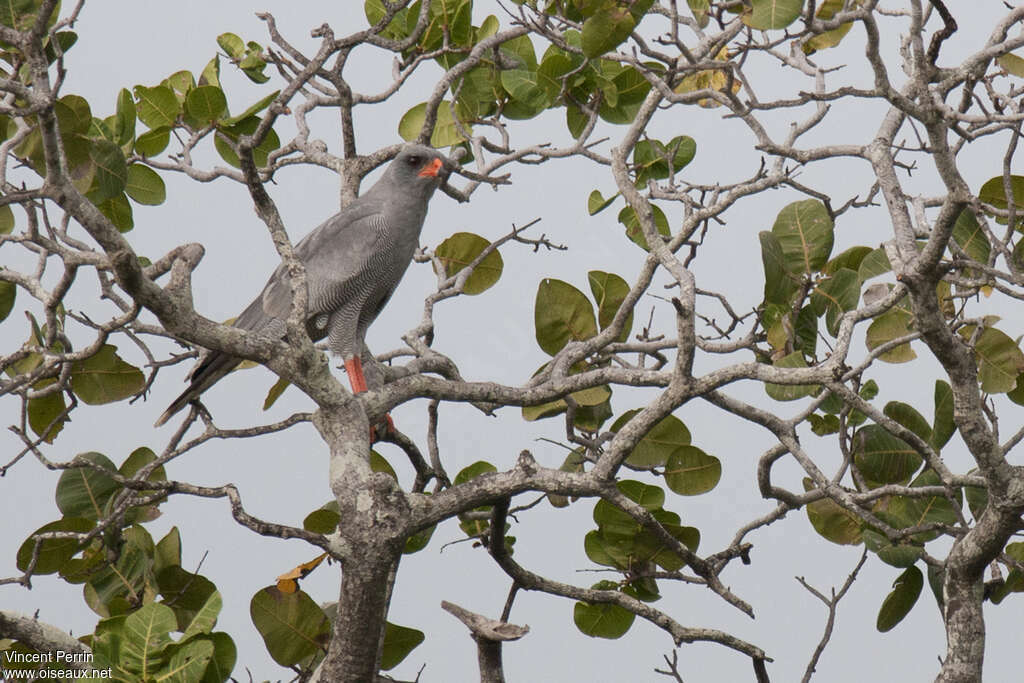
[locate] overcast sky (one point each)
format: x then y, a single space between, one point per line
283 477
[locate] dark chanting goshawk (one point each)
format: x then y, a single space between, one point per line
354 261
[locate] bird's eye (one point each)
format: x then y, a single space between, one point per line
413 160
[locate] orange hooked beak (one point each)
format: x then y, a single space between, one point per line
431 169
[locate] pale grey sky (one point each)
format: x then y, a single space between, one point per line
284 477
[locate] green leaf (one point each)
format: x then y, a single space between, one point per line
231 44
805 233
146 633
1013 64
157 107
596 203
606 30
206 618
883 458
649 497
152 142
627 216
84 491
167 552
184 592
525 88
772 14
399 641
832 521
188 661
210 74
908 416
459 250
602 620
656 446
1017 395
246 126
104 378
609 292
790 392
779 284
224 656
470 472
275 392
111 171
206 103
181 82
44 410
54 552
901 555
893 324
561 313
8 292
835 296
992 192
323 520
691 472
124 119
906 590
944 426
293 627
256 108
999 358
145 186
119 211
651 158
446 131
874 264
968 233
852 258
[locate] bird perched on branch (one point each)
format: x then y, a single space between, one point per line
354 261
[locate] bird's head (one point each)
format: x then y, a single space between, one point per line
418 168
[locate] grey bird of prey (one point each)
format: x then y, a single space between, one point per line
354 261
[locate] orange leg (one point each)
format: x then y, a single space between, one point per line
354 368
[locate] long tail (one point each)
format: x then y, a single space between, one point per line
215 367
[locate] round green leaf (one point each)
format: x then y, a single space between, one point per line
399 641
893 324
790 392
627 216
119 211
562 313
84 491
206 103
323 520
779 284
157 107
993 192
146 633
43 410
906 590
104 377
690 471
459 250
832 521
473 471
53 553
968 233
883 458
606 30
908 416
602 620
772 14
8 292
805 233
145 186
999 358
658 444
445 134
111 171
293 627
609 292
152 142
